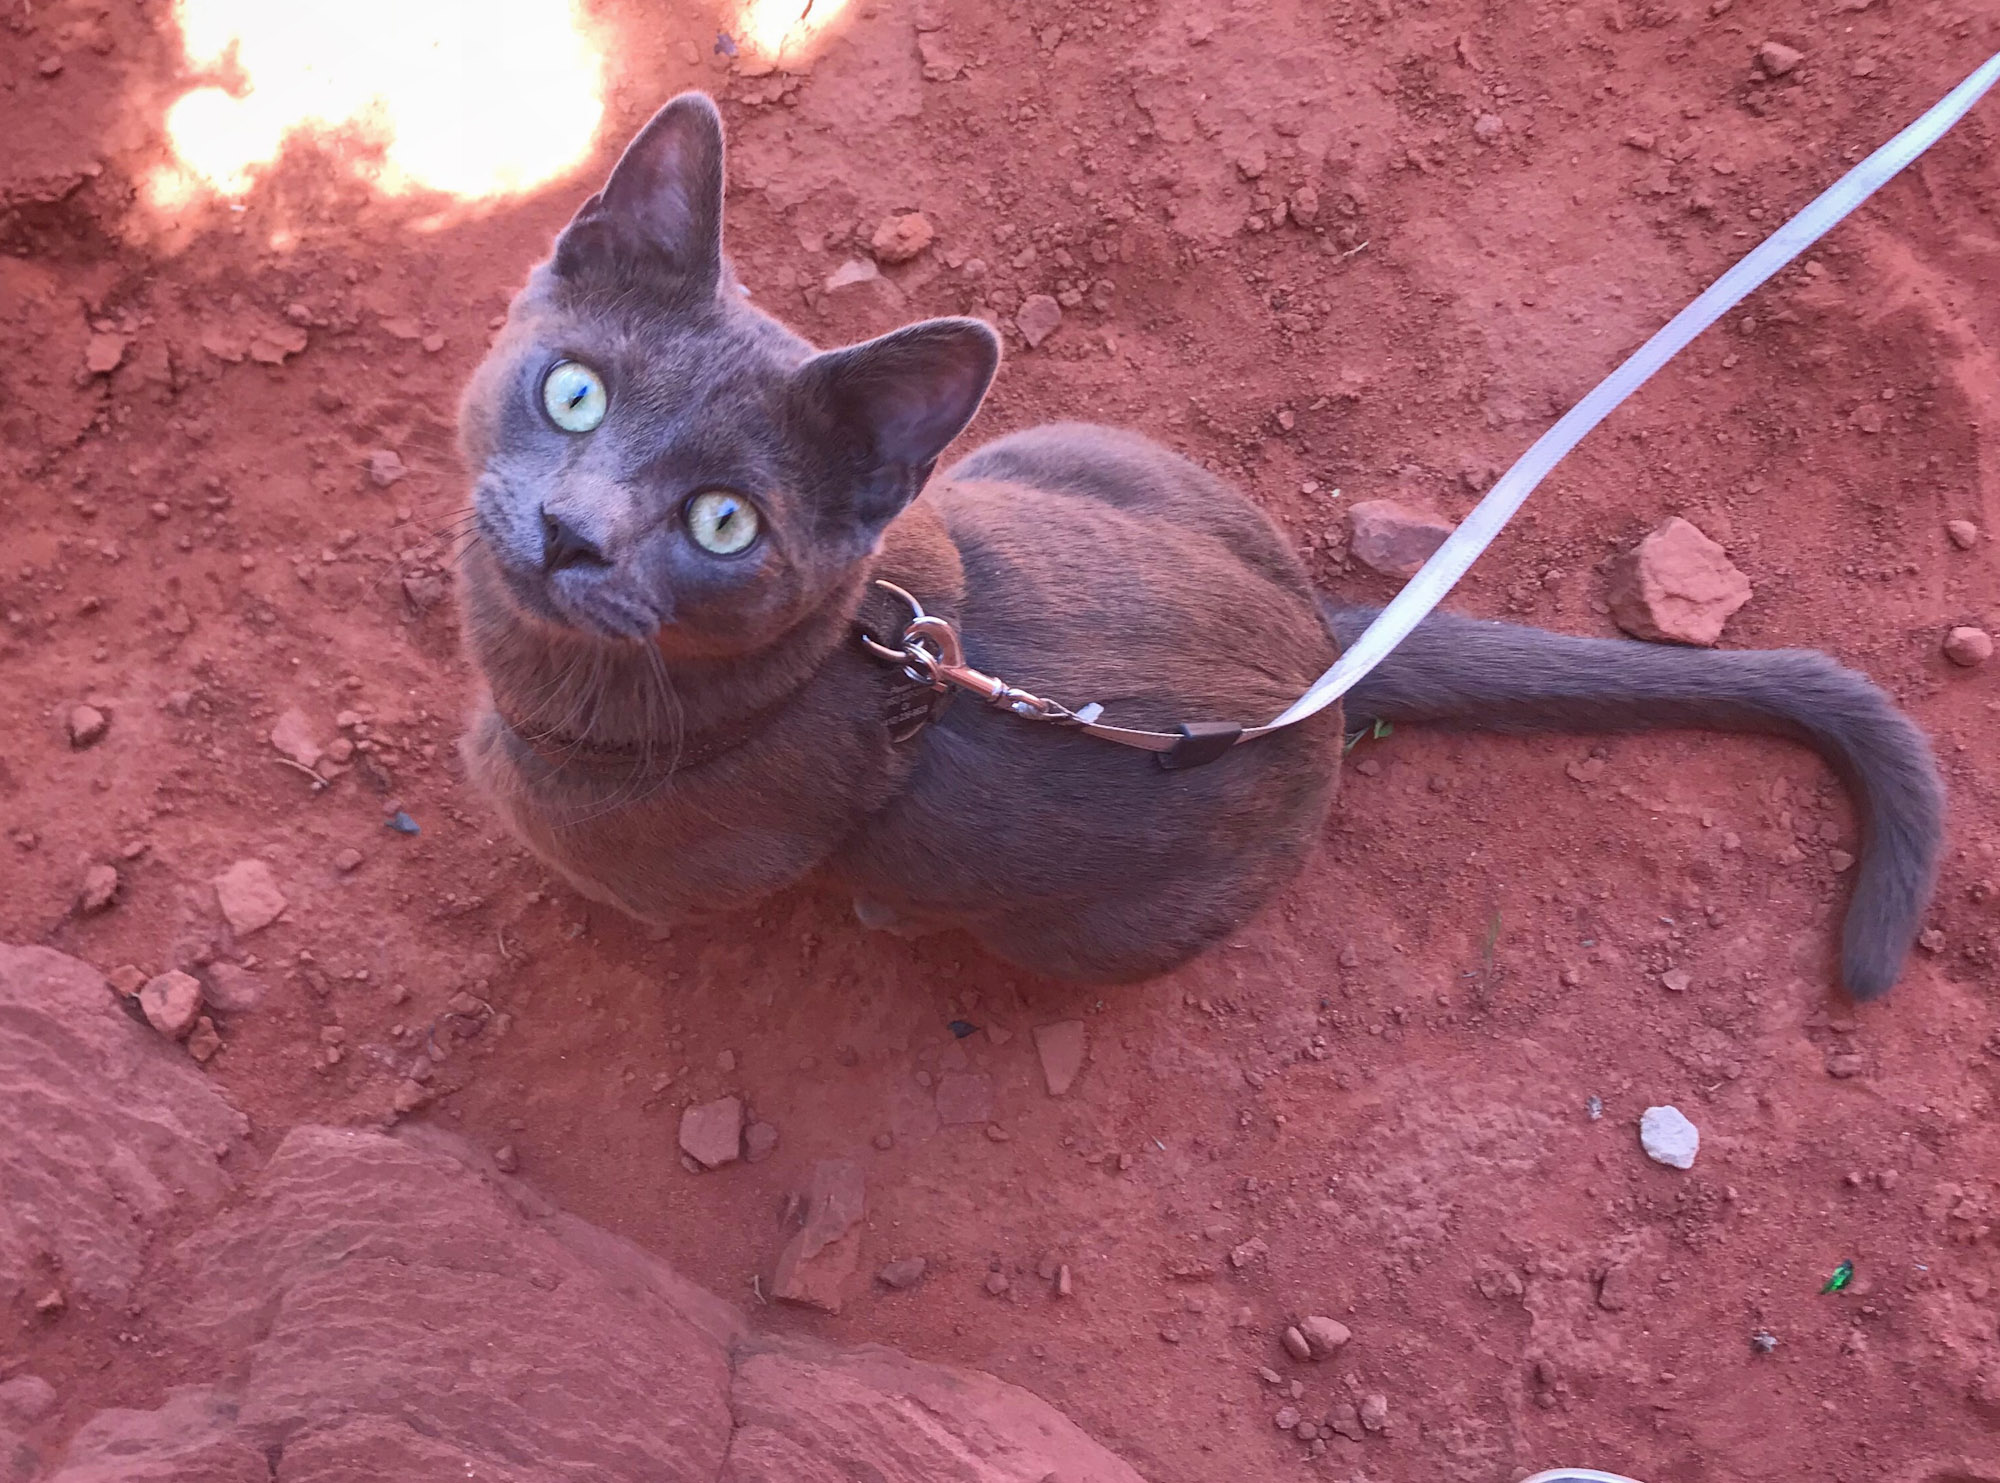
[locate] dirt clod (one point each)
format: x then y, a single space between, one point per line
172 1002
1968 647
900 238
711 1133
100 889
249 897
1676 586
816 1264
1778 60
1060 1048
1324 1335
1392 538
1037 319
86 725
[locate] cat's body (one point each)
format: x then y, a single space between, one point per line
684 724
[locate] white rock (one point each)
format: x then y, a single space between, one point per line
1668 1137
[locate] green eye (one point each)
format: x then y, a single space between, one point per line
573 395
721 523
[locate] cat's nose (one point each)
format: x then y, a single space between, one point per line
563 545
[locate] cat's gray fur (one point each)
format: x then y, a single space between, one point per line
680 733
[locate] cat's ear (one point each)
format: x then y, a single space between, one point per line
895 403
662 207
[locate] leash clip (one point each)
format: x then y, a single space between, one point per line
931 654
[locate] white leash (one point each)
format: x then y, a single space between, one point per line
929 650
1451 561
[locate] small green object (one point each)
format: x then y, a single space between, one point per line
1842 1275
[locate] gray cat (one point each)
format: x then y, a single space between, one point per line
682 509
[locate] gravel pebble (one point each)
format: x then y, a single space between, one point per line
1668 1137
1286 1419
86 725
712 1132
901 1276
1968 646
1296 1345
1325 1335
100 889
172 1002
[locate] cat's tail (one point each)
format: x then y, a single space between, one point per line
1476 675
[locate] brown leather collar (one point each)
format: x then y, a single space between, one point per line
917 553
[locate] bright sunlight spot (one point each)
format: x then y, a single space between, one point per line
786 31
472 98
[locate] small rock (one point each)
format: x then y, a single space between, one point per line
1345 1420
127 979
203 1041
275 344
1968 646
249 897
1037 319
884 1142
1297 1346
965 1097
51 1303
725 1062
26 1399
901 238
1488 127
1375 1413
385 467
86 725
1964 534
1845 1065
103 354
1764 1342
1393 539
1676 585
1061 1048
292 736
1668 1137
411 1095
997 1283
100 889
1305 1431
347 861
1253 1250
816 1263
506 1159
1325 1335
1286 1419
1065 1284
1305 205
1839 861
854 271
233 989
1676 980
712 1132
50 66
1776 59
901 1276
172 1002
760 1141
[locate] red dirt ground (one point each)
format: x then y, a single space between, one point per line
1384 1079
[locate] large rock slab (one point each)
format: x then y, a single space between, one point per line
108 1129
373 1306
806 1414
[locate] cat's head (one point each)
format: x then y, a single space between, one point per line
655 460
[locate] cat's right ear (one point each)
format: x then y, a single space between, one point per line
661 210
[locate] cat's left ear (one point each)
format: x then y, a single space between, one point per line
662 207
894 404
